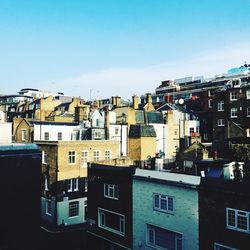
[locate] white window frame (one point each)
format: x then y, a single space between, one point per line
74 205
220 105
234 112
111 191
217 247
96 157
237 214
102 221
248 111
73 185
248 94
48 207
163 198
24 134
210 103
97 135
59 136
46 134
233 96
221 123
86 185
84 158
44 157
72 157
151 230
107 154
46 183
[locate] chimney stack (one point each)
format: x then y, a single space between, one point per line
135 101
149 98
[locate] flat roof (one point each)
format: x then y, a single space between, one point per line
166 176
17 146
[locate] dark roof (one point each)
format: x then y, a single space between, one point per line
65 104
53 123
154 117
127 170
17 148
139 116
140 130
212 163
29 89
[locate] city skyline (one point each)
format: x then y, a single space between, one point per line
104 48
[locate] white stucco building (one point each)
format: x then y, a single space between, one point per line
165 211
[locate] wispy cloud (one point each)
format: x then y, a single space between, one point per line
128 81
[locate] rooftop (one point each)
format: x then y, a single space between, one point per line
170 177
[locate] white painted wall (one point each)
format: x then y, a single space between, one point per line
6 132
96 115
39 131
184 220
161 138
121 136
63 212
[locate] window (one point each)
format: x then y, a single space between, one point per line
107 154
86 185
233 112
163 238
72 185
248 94
48 207
111 191
72 157
84 158
191 131
205 136
221 123
96 156
222 247
210 104
248 111
220 106
163 203
44 157
46 136
116 131
238 220
97 122
97 135
23 134
46 183
73 209
111 221
233 96
59 136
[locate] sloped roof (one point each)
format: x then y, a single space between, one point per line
141 130
154 117
53 123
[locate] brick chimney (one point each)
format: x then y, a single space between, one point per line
116 101
135 102
149 98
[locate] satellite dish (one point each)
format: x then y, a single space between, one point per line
181 101
176 101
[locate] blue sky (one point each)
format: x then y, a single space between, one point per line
118 47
